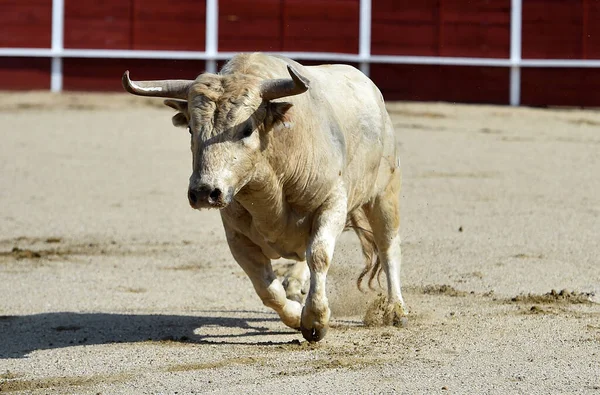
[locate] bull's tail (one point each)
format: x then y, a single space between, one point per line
358 221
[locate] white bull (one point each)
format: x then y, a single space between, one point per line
292 155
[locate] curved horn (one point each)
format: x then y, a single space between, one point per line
175 89
274 89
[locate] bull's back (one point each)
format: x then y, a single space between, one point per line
358 106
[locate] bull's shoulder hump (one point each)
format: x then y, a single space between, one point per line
338 70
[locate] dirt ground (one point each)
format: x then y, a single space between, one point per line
110 283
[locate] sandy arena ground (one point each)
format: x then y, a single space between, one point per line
110 283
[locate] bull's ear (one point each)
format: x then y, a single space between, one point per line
179 105
278 111
182 118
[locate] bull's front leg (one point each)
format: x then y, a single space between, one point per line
327 226
258 268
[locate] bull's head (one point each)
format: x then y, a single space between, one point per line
229 117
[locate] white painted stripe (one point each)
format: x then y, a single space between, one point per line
575 63
212 34
516 19
26 52
516 11
56 76
515 86
438 60
323 56
58 19
364 43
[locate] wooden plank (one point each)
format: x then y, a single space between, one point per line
476 28
105 74
479 12
405 39
424 11
24 73
552 29
164 26
250 26
442 83
468 40
25 23
560 87
98 25
319 26
405 27
592 39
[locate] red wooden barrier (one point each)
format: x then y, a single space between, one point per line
179 25
25 23
405 27
559 29
289 25
321 26
105 74
561 87
24 73
251 26
467 28
441 28
591 32
462 84
98 24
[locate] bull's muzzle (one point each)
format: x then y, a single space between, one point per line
205 196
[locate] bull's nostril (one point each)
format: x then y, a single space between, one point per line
192 197
215 194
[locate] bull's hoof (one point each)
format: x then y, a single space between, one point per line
400 322
313 334
396 315
382 313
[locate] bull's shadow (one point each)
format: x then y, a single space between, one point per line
20 335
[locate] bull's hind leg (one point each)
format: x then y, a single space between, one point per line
296 281
258 267
384 218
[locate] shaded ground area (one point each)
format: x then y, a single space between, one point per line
111 284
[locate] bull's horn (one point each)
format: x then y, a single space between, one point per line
175 89
274 89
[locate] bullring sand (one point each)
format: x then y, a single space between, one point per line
111 284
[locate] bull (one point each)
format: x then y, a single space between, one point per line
292 156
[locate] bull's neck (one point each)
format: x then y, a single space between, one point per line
283 172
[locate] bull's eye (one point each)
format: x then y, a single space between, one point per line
247 132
